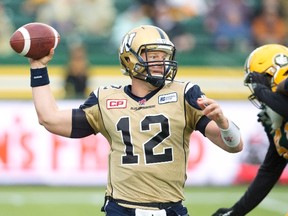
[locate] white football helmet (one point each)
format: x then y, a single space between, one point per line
141 40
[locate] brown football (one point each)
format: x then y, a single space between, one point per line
34 40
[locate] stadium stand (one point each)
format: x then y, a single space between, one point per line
202 63
102 53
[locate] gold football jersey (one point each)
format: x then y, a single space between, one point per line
149 140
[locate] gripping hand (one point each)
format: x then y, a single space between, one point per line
259 78
264 118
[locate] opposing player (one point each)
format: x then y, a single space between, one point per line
283 87
266 76
148 125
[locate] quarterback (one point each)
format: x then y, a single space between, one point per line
266 75
147 123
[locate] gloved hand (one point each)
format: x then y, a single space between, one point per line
264 118
259 78
224 212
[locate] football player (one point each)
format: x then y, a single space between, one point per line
283 87
147 124
266 75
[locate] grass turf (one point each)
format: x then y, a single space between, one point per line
87 201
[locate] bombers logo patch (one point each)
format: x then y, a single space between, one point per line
116 103
168 98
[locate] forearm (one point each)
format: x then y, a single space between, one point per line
224 140
44 102
267 176
276 101
47 110
283 87
257 191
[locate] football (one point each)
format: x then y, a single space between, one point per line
34 40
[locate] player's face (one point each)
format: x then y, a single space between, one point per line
154 57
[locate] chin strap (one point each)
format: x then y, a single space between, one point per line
155 81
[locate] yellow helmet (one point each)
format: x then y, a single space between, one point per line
143 39
270 60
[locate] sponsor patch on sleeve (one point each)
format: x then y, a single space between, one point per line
168 98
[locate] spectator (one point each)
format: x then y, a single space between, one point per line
29 8
94 17
284 8
58 14
135 15
7 28
77 73
228 22
187 9
269 26
164 16
78 17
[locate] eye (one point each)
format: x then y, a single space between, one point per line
152 57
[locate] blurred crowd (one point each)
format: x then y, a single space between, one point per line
221 25
227 24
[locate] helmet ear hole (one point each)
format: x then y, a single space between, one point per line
127 59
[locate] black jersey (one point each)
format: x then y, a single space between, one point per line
276 157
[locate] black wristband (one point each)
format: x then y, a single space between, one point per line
39 77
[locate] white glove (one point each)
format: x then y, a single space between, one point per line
275 118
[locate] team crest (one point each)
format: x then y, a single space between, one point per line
142 102
281 60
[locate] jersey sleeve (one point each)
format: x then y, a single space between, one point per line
286 85
85 119
90 101
276 101
194 112
283 87
80 125
92 111
267 176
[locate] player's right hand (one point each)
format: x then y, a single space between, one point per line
259 78
224 212
213 111
41 63
264 118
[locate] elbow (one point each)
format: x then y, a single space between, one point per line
41 120
46 124
44 121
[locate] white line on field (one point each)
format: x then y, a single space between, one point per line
274 204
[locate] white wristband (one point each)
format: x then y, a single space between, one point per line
231 136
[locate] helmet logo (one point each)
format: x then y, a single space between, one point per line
281 60
163 41
127 40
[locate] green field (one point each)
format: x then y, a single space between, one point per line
87 201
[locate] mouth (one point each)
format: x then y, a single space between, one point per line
157 73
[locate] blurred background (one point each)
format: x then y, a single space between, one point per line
212 38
